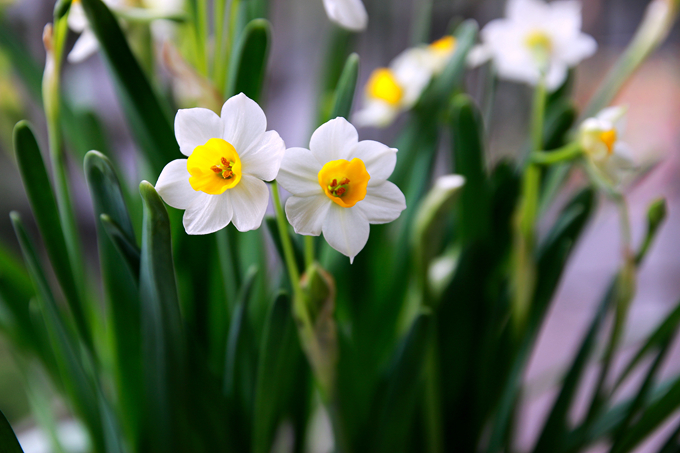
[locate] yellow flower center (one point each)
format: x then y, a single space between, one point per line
444 45
344 182
384 86
214 167
609 139
540 44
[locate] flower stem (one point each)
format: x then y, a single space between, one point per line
289 256
309 250
524 268
564 154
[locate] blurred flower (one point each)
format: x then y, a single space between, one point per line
535 39
229 158
340 186
87 43
397 88
600 139
349 14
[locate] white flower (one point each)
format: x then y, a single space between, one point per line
349 14
339 186
87 45
397 88
600 139
229 158
536 38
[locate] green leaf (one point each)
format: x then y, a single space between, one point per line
651 419
468 145
240 363
8 441
403 386
249 60
144 112
280 369
672 445
120 282
555 426
663 333
44 206
163 338
125 245
76 381
344 92
15 293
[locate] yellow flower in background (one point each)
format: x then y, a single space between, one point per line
339 186
229 157
600 138
535 38
392 90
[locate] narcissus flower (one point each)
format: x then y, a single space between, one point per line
600 138
536 39
339 186
349 14
87 44
229 157
392 90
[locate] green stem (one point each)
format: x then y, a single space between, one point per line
564 154
309 250
524 267
52 102
289 255
219 60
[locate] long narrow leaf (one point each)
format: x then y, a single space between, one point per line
8 441
249 60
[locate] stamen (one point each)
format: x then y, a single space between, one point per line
338 190
225 162
343 182
216 169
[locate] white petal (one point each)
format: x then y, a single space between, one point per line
307 214
207 214
375 113
173 185
383 203
413 70
379 159
346 230
243 121
264 159
576 49
86 46
557 74
526 11
349 14
613 116
194 127
77 21
333 140
299 173
249 200
479 55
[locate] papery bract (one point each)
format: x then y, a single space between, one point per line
535 39
339 186
229 157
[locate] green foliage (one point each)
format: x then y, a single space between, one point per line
197 344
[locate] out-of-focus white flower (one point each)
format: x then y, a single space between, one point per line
535 39
229 157
86 45
600 139
349 14
392 90
339 186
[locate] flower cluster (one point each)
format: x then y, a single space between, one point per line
398 87
339 185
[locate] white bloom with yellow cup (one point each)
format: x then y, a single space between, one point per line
229 158
339 186
600 139
535 40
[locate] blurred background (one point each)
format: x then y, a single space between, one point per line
301 35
